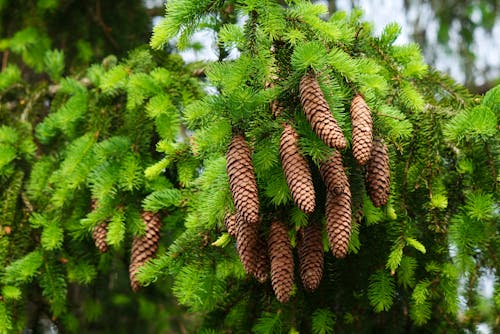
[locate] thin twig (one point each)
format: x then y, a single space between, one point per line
5 59
105 28
390 116
491 163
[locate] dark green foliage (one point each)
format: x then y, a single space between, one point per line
33 31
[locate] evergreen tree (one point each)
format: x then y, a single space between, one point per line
412 247
74 160
325 181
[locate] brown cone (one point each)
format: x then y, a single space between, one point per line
297 172
247 241
99 232
262 263
378 174
144 247
362 124
338 221
242 179
276 107
318 113
280 254
99 235
333 174
310 250
230 223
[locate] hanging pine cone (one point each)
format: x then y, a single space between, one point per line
144 247
310 250
361 119
378 174
280 254
297 172
262 263
338 221
318 113
99 235
333 174
247 240
230 223
99 232
242 179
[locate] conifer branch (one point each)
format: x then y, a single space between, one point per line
491 164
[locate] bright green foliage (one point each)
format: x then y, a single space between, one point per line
94 141
400 265
381 291
136 133
323 321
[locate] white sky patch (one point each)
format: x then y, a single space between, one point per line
382 12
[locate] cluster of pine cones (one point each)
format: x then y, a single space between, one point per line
277 257
143 247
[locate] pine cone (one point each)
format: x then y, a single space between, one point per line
230 223
310 250
361 119
247 241
262 263
280 254
378 174
297 172
242 179
99 235
333 174
276 107
144 247
99 232
318 113
338 221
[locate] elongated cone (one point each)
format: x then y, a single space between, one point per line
297 172
144 247
247 240
333 174
311 255
378 174
242 179
362 124
99 232
281 256
230 223
251 248
338 221
318 113
262 264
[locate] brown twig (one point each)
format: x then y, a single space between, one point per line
5 59
97 17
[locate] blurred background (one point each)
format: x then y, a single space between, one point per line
460 37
